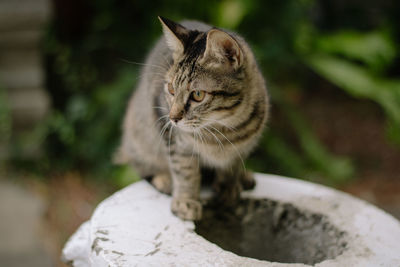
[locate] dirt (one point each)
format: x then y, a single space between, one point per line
70 200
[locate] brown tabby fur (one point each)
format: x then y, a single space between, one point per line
170 136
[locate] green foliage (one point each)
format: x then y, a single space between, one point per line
311 160
333 58
123 176
90 81
231 13
88 128
5 125
375 49
335 168
5 118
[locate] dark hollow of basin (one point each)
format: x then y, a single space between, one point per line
268 230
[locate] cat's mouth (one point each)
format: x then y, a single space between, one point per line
186 126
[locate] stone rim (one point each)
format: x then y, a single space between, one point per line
373 233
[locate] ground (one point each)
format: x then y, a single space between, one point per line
42 214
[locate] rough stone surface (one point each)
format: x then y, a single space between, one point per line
269 230
135 227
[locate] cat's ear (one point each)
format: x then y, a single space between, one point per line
224 48
175 34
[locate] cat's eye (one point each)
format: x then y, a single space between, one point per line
198 95
171 89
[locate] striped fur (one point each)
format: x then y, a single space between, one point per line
170 135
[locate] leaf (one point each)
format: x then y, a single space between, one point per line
336 168
5 118
285 159
124 175
231 13
376 49
359 82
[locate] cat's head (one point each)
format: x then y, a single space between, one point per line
206 82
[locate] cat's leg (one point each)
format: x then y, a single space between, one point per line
186 180
228 184
247 180
162 182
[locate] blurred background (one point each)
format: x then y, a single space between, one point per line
67 70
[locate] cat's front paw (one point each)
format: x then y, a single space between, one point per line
247 180
187 209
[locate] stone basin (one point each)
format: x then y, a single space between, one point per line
282 222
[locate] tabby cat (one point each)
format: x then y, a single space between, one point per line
201 103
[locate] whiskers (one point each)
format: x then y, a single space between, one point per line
197 137
160 120
233 129
158 71
169 141
200 134
209 128
144 64
220 144
161 108
167 125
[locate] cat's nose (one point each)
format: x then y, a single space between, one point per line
176 112
175 117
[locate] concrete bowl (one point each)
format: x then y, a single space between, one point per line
282 222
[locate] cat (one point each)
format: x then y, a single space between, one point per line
201 102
